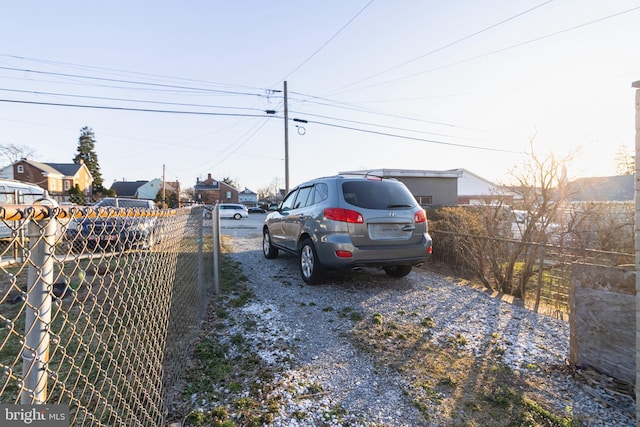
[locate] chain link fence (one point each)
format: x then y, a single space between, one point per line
100 308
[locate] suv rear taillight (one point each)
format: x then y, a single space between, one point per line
343 215
420 216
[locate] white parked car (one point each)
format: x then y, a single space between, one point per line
17 193
233 210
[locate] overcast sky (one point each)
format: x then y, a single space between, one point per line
185 86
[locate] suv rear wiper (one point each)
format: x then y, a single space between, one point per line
398 206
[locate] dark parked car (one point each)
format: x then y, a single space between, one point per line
344 222
117 231
256 209
208 211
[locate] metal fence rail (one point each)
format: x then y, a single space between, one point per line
99 308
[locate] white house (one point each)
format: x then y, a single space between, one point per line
473 189
248 198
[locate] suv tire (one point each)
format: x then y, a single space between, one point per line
397 270
310 268
269 251
237 216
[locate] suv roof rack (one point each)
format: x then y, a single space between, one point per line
367 175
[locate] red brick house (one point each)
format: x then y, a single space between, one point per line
56 178
210 191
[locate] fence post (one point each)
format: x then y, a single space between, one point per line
540 277
201 286
35 355
216 249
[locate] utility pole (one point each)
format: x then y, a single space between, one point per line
164 186
286 141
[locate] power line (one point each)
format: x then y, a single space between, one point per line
144 110
336 104
328 41
78 76
252 132
261 116
115 70
446 45
377 125
127 100
513 46
475 147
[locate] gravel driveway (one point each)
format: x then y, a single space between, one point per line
326 378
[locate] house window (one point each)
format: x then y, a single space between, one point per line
228 194
20 169
424 200
67 185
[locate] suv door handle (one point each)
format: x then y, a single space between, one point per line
408 228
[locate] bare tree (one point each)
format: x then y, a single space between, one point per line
190 192
540 185
270 192
625 161
605 226
264 193
13 152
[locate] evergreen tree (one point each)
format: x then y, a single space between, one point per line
87 155
76 196
231 182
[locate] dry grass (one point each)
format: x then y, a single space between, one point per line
447 382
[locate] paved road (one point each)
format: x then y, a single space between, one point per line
243 227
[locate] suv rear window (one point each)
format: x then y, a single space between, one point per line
377 194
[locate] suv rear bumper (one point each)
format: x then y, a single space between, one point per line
414 254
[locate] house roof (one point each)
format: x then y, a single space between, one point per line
62 169
67 169
466 172
207 187
605 188
45 167
127 188
212 186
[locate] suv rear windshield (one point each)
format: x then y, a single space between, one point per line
377 194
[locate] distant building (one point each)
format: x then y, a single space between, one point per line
56 178
475 190
618 188
210 192
248 198
148 190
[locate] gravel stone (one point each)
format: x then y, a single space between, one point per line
326 381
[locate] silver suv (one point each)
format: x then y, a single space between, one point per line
344 221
